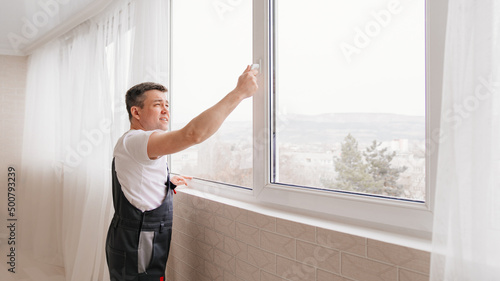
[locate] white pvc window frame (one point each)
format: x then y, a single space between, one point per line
394 216
398 214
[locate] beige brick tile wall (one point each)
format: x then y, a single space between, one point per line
13 72
215 241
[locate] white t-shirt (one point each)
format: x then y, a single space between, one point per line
142 179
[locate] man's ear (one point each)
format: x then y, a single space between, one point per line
134 110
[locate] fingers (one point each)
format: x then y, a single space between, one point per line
247 69
180 180
185 177
247 83
251 71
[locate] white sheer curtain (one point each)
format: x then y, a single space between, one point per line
75 111
466 234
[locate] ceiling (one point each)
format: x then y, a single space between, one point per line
28 24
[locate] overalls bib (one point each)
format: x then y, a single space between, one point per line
138 243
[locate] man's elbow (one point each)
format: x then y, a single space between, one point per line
194 137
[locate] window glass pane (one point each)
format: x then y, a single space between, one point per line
350 96
211 46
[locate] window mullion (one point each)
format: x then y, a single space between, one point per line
261 125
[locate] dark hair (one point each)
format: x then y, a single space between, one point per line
135 95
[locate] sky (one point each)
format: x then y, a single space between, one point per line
332 56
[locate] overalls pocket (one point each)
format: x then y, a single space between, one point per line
116 262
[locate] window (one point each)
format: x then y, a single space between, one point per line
349 96
363 77
211 44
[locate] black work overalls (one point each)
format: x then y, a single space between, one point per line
138 243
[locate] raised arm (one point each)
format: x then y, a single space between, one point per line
207 123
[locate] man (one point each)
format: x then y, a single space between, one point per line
138 239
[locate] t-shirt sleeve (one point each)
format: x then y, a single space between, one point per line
136 144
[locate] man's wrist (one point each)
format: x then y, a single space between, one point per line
239 94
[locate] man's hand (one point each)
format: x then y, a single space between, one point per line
180 180
247 82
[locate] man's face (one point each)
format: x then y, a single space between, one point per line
154 114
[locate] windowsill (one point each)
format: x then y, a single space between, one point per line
243 198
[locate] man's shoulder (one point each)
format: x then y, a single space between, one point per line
133 144
132 133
